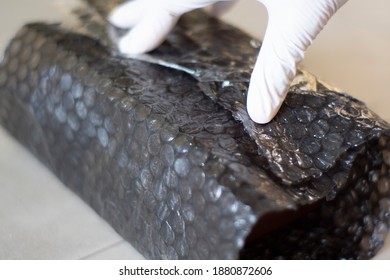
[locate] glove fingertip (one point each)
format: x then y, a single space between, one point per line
260 109
130 44
260 117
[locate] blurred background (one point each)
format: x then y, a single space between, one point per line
41 219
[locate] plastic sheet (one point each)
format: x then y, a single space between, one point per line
173 162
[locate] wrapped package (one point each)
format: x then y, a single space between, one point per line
161 146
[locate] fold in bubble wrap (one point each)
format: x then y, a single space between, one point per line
170 158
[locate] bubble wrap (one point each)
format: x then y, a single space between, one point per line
169 157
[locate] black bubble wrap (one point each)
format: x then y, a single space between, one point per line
170 158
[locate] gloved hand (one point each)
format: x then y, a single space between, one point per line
292 26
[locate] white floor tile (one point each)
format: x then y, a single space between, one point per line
119 251
39 217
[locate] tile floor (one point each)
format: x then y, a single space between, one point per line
41 219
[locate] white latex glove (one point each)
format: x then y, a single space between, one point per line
292 26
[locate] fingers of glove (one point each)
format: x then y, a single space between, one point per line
290 32
128 14
149 33
154 24
270 81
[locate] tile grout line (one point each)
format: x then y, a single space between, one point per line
102 249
